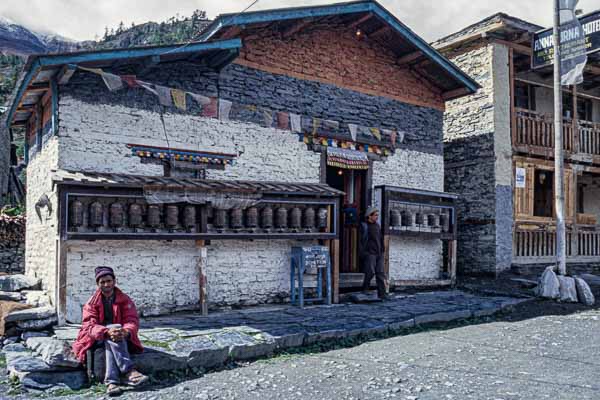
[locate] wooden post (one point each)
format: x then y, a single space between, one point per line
453 256
334 246
386 261
202 279
513 115
61 281
575 121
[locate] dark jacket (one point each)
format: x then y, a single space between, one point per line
371 240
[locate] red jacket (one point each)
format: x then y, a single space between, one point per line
124 313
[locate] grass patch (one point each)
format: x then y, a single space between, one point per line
153 343
2 361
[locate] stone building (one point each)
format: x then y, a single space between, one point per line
503 134
162 162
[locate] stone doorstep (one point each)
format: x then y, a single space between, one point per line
38 313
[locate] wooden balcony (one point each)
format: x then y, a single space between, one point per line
533 133
536 244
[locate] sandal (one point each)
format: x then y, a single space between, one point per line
135 378
113 390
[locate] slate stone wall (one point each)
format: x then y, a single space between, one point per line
12 244
469 158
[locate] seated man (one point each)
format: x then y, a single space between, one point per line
110 319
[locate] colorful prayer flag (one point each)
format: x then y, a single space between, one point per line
267 118
164 95
179 99
202 100
376 133
353 128
148 86
130 80
210 110
224 109
295 123
283 120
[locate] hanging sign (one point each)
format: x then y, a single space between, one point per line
520 178
571 41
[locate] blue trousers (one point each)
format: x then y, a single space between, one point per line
118 361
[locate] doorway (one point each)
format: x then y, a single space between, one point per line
355 185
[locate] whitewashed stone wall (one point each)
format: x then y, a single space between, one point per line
159 276
40 240
415 259
411 258
237 272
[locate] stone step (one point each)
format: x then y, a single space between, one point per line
16 283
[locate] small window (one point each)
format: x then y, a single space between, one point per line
524 96
543 197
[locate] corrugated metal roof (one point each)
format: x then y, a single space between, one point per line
93 179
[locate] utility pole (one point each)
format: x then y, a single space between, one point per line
559 163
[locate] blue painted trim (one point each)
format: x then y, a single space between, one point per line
54 88
340 9
26 152
30 74
76 58
284 14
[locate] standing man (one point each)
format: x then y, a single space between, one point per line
110 319
371 250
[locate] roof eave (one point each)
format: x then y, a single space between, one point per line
36 62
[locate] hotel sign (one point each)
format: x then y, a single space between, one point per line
543 41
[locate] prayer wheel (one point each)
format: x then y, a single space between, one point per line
135 215
172 217
406 217
445 222
76 213
189 217
116 215
420 218
252 217
154 216
395 218
237 218
266 218
309 218
220 218
296 218
322 218
281 221
96 214
432 220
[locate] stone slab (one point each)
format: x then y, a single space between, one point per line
10 296
30 314
54 352
567 289
38 324
18 282
73 380
584 293
442 317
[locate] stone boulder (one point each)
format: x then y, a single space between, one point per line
548 286
584 293
16 283
54 352
38 324
73 380
568 291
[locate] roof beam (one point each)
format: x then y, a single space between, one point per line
380 31
295 28
65 74
360 21
409 58
452 94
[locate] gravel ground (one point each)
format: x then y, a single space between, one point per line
553 356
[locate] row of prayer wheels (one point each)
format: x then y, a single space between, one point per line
408 218
267 217
131 216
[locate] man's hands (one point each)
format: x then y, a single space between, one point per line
117 334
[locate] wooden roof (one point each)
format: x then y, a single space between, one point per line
111 180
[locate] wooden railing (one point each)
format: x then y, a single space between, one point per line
539 245
536 131
589 138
